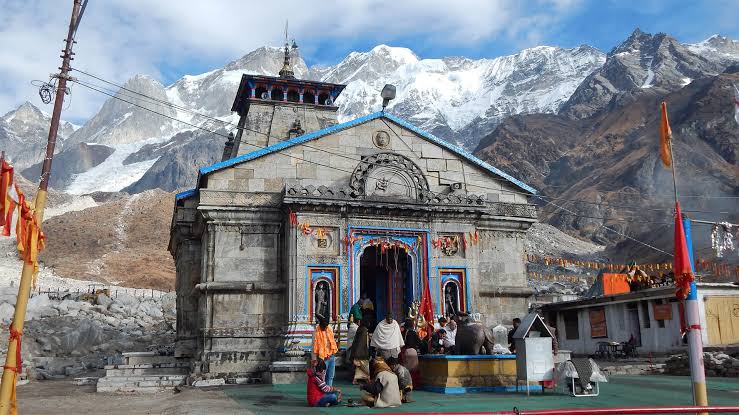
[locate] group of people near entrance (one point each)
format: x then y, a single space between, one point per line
384 357
383 380
385 360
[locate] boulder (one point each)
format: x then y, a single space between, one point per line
6 312
87 334
40 306
126 299
151 309
104 300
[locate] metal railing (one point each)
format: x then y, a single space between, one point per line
58 293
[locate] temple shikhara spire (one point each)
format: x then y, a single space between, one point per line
287 70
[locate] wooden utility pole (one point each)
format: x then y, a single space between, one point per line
11 363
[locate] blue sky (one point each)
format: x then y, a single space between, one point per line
171 38
602 24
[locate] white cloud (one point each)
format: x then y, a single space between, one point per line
120 38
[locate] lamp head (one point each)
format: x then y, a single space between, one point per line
387 94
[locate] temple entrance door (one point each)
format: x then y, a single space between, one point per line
386 278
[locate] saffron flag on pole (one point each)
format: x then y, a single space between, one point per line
6 203
681 266
427 309
665 135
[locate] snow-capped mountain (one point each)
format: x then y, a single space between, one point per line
212 93
24 131
457 98
645 61
445 96
121 121
441 95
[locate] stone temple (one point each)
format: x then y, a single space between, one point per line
305 214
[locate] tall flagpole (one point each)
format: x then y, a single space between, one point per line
691 306
695 336
12 360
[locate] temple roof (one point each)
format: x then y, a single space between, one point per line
361 120
248 81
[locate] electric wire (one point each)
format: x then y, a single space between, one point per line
333 167
168 104
567 212
165 103
224 122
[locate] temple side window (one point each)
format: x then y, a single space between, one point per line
261 93
323 98
278 94
293 95
309 97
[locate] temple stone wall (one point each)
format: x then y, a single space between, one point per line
309 166
243 282
242 293
188 275
502 289
267 124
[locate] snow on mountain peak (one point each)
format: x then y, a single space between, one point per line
397 54
446 95
717 46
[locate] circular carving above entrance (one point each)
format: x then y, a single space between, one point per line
381 139
389 176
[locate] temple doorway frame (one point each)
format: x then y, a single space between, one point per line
417 242
386 276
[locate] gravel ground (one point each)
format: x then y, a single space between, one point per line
54 397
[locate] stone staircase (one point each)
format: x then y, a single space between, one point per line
144 372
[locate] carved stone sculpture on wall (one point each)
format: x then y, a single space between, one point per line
389 175
381 139
322 298
451 299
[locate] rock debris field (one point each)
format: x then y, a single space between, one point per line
73 326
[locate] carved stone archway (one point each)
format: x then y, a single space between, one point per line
389 176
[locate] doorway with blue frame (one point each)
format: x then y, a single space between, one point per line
386 279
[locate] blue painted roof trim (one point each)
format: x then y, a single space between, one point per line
460 152
338 127
282 145
186 194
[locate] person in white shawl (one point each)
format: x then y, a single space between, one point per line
387 339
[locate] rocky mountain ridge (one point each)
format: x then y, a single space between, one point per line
606 167
645 61
444 96
580 101
23 134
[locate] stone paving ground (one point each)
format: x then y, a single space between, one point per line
58 397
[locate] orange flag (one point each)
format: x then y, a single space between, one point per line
6 180
665 135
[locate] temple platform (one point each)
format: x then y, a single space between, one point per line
469 373
652 390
